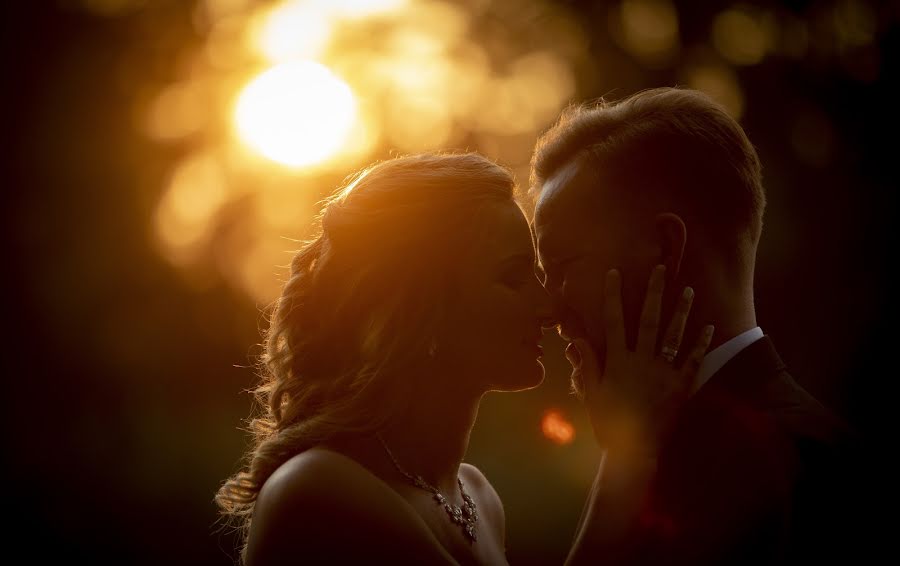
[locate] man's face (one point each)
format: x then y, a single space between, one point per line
582 232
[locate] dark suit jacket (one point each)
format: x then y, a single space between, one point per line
753 472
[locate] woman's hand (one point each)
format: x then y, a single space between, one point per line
634 398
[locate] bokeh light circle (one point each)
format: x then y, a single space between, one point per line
297 114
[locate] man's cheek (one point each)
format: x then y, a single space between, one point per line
588 307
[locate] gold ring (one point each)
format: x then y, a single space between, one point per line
668 353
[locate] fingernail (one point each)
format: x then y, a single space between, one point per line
612 276
710 329
688 293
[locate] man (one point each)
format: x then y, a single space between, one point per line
748 472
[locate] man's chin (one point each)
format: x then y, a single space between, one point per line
576 384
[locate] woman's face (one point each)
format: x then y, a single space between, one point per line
491 339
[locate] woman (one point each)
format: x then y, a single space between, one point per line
418 297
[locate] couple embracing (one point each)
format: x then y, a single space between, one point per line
428 287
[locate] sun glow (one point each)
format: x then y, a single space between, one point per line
291 31
293 94
297 114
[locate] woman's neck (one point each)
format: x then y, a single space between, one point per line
431 437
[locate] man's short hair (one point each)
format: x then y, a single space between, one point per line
671 146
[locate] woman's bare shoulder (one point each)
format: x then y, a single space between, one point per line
324 481
318 471
322 504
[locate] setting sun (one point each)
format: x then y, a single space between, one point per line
297 114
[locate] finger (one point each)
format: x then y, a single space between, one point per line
612 311
692 363
675 331
649 327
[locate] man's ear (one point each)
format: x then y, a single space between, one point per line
671 234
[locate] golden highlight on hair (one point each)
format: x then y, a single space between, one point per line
360 307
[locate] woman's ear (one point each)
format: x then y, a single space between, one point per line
671 234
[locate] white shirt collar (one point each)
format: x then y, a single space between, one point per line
713 361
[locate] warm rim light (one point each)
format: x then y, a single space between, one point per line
297 114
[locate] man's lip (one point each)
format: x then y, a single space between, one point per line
573 355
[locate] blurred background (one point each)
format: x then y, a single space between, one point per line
165 156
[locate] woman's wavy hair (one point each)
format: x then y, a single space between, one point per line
361 308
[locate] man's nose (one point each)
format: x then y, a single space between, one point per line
554 291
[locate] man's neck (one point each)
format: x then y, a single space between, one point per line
724 302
